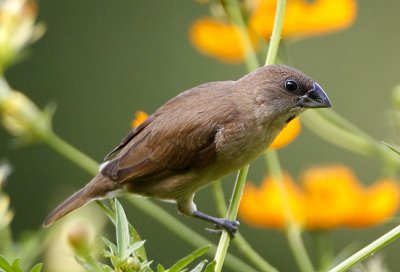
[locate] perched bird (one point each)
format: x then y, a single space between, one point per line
199 136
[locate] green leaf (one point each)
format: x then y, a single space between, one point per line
177 267
16 265
160 268
111 245
141 251
37 268
122 230
200 266
394 148
211 267
4 264
135 246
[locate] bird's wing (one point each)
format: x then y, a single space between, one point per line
168 144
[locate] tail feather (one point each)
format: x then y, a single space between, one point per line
98 187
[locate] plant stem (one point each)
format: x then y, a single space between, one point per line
231 215
71 153
293 230
184 232
333 128
243 246
276 32
368 250
235 13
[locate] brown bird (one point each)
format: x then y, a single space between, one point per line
199 136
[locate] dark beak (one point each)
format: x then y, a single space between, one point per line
314 98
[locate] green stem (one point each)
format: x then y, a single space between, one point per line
231 215
368 250
235 13
323 248
243 246
333 128
184 232
71 153
276 32
293 230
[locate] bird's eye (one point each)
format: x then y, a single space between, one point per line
291 85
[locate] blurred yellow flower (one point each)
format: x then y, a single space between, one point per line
17 28
140 116
329 197
6 215
288 134
218 39
76 234
263 207
302 19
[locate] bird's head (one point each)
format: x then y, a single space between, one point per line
284 90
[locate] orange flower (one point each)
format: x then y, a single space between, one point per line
332 196
303 18
329 197
218 39
263 207
140 117
379 204
288 134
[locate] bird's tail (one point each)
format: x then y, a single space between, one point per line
98 187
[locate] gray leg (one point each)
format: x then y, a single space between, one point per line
187 207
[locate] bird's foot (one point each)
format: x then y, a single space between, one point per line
231 226
224 224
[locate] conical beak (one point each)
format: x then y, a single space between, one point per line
314 98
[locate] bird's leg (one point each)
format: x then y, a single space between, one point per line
187 207
230 226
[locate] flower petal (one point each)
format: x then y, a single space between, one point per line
332 196
140 117
305 18
380 202
218 39
264 207
288 134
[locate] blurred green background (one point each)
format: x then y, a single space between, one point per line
100 61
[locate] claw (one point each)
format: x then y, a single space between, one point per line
230 226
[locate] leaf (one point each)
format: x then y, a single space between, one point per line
122 230
37 268
4 264
200 266
211 267
111 245
141 252
135 246
394 148
177 267
160 268
16 266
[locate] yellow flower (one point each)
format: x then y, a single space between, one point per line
329 197
218 39
140 117
17 28
263 207
21 117
302 19
332 196
379 203
288 134
74 235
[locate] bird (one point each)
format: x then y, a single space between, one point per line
201 135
